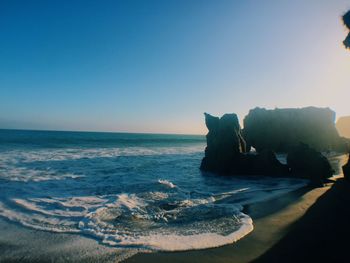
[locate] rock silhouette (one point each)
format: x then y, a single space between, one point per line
346 169
308 163
281 130
224 143
226 154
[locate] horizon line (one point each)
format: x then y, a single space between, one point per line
92 131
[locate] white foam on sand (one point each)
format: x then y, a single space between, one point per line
176 242
170 242
133 222
147 221
130 201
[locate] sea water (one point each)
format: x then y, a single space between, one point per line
132 191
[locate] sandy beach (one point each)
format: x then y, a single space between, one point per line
293 227
20 244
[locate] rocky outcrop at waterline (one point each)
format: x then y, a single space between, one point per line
227 152
305 162
346 169
225 143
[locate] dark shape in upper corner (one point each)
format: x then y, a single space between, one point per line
346 20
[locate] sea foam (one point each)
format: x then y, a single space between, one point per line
166 183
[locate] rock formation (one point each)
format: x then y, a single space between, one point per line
343 126
225 151
346 170
224 143
226 154
306 162
346 20
282 129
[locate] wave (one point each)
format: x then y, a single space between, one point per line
38 221
78 153
44 164
166 183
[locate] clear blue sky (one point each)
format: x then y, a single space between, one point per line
156 66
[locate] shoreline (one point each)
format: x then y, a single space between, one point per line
272 220
321 234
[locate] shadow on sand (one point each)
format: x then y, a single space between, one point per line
321 235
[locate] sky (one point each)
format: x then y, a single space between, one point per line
157 66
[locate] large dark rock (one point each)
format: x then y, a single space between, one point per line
267 163
282 129
346 169
346 19
308 163
225 151
224 142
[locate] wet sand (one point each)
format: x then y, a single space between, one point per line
299 225
21 244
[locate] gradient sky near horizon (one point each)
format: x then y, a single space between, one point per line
156 66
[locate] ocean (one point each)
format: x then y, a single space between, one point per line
129 191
